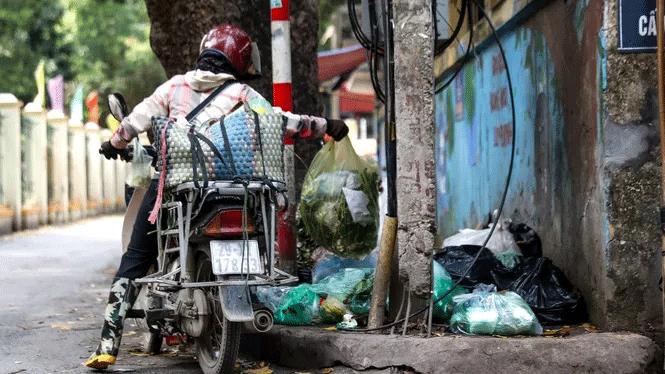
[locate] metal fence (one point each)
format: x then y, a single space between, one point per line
50 169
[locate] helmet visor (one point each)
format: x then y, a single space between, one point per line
256 58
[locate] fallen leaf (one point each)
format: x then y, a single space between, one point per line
137 353
590 328
263 370
61 327
564 331
331 328
259 365
327 370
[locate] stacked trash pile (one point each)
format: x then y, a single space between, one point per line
532 291
341 288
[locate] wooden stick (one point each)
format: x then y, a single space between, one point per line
382 273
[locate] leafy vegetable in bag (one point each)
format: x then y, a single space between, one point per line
339 201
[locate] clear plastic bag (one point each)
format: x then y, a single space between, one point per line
334 264
502 243
271 296
139 169
342 283
485 312
339 201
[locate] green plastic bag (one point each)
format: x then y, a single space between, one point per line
493 313
300 307
339 201
341 284
361 296
442 283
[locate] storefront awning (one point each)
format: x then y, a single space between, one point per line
355 101
338 61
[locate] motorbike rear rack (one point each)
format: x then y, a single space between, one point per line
184 213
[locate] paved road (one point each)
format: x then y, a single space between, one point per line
54 283
53 288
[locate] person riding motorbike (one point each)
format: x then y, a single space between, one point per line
226 53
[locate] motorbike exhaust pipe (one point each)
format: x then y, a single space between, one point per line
262 322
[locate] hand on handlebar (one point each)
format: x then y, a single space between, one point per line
111 152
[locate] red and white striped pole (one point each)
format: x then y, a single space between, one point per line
280 26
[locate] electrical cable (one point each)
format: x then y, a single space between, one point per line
446 43
373 68
505 190
372 44
464 59
357 30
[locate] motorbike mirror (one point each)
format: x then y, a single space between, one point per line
118 106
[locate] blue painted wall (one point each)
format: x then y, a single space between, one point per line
474 126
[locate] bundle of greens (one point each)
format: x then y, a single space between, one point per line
339 201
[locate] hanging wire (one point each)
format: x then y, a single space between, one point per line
466 54
372 43
503 197
355 26
374 68
439 49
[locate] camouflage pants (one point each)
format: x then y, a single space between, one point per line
121 298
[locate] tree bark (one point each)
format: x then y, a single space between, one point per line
177 29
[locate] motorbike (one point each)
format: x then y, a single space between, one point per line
215 244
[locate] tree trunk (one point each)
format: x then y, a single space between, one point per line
177 29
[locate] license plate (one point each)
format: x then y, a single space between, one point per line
227 257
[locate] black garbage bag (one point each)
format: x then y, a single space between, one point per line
546 289
457 259
536 279
527 239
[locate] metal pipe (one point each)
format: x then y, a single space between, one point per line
262 322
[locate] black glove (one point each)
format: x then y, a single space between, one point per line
337 129
111 152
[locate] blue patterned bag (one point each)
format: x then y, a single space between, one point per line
255 148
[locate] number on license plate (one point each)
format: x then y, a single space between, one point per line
227 257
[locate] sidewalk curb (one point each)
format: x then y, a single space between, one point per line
311 347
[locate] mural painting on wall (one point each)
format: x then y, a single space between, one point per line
473 149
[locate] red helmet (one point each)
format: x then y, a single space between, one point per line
235 45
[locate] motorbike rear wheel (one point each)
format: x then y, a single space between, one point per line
217 349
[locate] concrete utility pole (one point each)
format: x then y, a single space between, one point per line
416 173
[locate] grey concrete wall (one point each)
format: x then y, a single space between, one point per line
414 107
631 172
569 201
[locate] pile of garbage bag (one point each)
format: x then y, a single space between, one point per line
541 284
347 291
